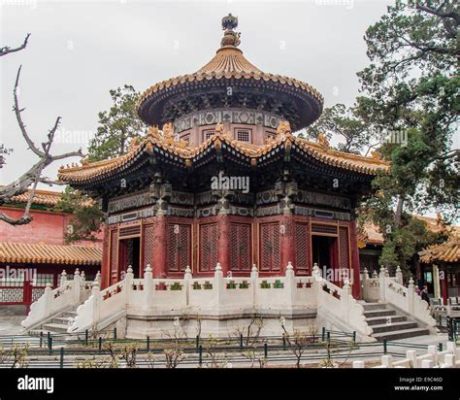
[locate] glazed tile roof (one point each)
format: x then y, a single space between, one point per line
371 233
43 197
49 254
229 63
91 172
448 251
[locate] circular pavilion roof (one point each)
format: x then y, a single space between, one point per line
251 88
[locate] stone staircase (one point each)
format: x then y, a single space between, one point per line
389 324
57 324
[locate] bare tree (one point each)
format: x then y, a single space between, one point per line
6 50
34 175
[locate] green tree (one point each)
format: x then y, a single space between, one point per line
410 95
338 120
117 126
87 216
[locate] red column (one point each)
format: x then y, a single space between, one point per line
356 289
105 266
287 241
223 242
159 247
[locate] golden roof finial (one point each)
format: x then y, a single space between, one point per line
376 155
323 142
219 128
231 38
154 132
284 128
134 143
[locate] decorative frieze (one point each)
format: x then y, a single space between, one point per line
180 212
136 200
241 211
313 212
266 197
182 198
307 197
233 116
131 216
206 211
267 211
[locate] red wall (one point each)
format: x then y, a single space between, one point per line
46 227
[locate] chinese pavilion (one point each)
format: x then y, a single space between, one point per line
225 180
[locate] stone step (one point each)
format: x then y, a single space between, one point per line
71 314
52 327
62 320
379 313
402 334
394 326
374 306
383 320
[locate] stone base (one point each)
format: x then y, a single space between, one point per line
222 325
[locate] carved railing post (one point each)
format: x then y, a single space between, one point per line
399 275
382 283
218 285
76 288
317 281
410 296
96 306
345 300
98 278
290 284
128 285
148 287
365 284
63 279
48 297
187 282
254 283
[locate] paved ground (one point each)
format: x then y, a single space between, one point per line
10 320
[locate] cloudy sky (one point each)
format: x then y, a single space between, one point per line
79 50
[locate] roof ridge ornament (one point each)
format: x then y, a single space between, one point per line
323 142
231 38
284 129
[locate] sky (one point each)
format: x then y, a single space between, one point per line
79 50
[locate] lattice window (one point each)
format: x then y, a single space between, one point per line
318 228
186 137
270 254
344 261
208 246
37 293
207 133
43 279
12 295
130 231
243 135
302 240
147 249
178 248
240 246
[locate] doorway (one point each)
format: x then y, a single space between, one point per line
324 249
130 251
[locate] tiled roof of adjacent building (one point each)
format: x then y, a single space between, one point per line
448 251
372 234
43 197
25 253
